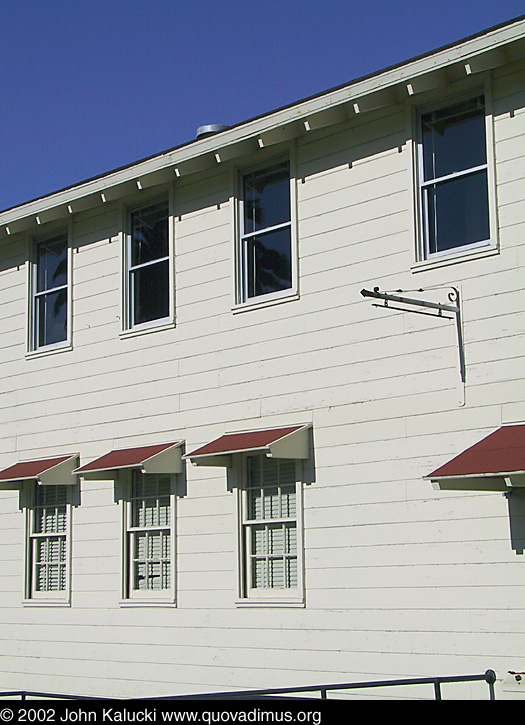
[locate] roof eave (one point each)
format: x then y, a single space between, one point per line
479 53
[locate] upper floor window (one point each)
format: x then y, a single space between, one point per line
50 292
148 265
266 253
48 543
453 172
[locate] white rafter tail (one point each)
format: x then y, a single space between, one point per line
486 61
329 117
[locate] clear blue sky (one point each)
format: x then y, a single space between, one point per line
87 86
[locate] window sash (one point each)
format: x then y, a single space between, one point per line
149 540
48 543
133 269
270 529
429 214
42 289
247 273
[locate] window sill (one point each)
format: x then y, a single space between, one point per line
147 328
258 303
50 350
270 602
455 258
125 603
43 602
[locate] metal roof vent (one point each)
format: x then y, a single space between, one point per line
210 130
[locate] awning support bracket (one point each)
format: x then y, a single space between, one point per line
436 310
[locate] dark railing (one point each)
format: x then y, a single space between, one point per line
489 677
284 693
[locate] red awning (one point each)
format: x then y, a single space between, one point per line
289 442
47 470
498 456
159 458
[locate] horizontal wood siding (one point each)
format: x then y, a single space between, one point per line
401 580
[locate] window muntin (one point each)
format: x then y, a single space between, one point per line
50 292
270 528
149 557
454 195
265 254
48 542
148 258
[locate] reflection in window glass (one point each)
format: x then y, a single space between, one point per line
51 292
454 187
148 264
266 244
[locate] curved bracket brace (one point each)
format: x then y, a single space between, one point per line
435 309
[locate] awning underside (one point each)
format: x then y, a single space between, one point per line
288 442
497 462
159 458
46 471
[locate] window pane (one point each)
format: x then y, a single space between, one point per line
291 572
266 197
51 264
259 574
50 569
269 262
276 540
276 573
149 234
458 212
454 139
150 287
51 318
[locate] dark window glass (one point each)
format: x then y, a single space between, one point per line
50 298
149 260
149 234
458 210
455 204
150 285
267 243
454 139
269 263
51 264
266 197
51 314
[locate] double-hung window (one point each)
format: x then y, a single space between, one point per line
271 530
149 538
148 265
266 254
454 178
50 293
48 543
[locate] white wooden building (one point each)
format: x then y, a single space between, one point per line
263 399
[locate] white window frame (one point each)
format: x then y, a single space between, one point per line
134 597
425 259
52 596
248 596
33 346
129 327
241 300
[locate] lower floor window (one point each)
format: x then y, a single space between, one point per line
271 528
149 537
48 545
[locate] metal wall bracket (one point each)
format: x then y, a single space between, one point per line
450 310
